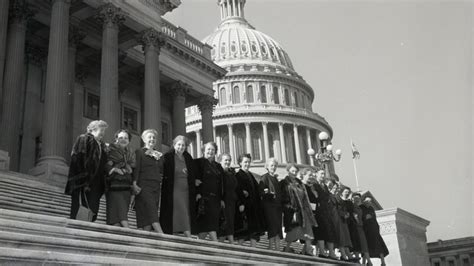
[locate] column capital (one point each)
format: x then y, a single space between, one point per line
229 125
35 54
178 89
207 103
281 124
109 14
76 35
19 12
265 123
151 37
247 124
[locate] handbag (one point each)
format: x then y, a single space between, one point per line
84 213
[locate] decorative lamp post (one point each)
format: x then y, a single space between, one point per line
326 154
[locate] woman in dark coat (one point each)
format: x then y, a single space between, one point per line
344 215
343 238
357 214
210 192
325 232
230 199
377 247
120 161
147 183
178 193
87 169
271 200
250 206
298 217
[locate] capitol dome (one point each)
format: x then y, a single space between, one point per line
264 107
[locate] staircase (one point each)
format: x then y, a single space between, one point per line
34 229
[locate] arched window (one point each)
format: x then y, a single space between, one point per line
263 94
236 94
287 98
249 94
276 95
295 95
222 98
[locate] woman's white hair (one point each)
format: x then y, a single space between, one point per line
148 131
270 160
95 125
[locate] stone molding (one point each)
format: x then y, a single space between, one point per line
179 89
151 37
207 103
110 15
76 35
19 12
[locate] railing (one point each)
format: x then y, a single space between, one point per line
187 40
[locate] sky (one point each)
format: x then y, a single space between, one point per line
396 77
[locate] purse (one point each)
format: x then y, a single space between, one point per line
84 213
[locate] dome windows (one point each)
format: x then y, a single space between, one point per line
287 97
276 95
244 47
233 48
263 94
263 48
223 48
236 94
254 47
222 96
249 94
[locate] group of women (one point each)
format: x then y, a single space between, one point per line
173 193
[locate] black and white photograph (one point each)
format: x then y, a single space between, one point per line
241 132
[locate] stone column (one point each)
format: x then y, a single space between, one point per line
231 142
76 35
152 40
248 138
13 84
282 143
3 41
265 141
206 106
178 93
297 144
52 164
198 144
111 17
310 145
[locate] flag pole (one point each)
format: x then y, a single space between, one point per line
355 169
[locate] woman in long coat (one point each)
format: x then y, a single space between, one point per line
147 183
178 193
270 193
250 205
230 199
86 178
298 218
325 232
358 218
120 161
343 238
210 192
377 247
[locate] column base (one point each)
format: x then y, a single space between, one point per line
4 160
52 170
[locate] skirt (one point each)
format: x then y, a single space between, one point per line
181 211
209 220
147 203
273 219
362 240
325 230
229 212
117 204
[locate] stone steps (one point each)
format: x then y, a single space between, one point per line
34 229
37 233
